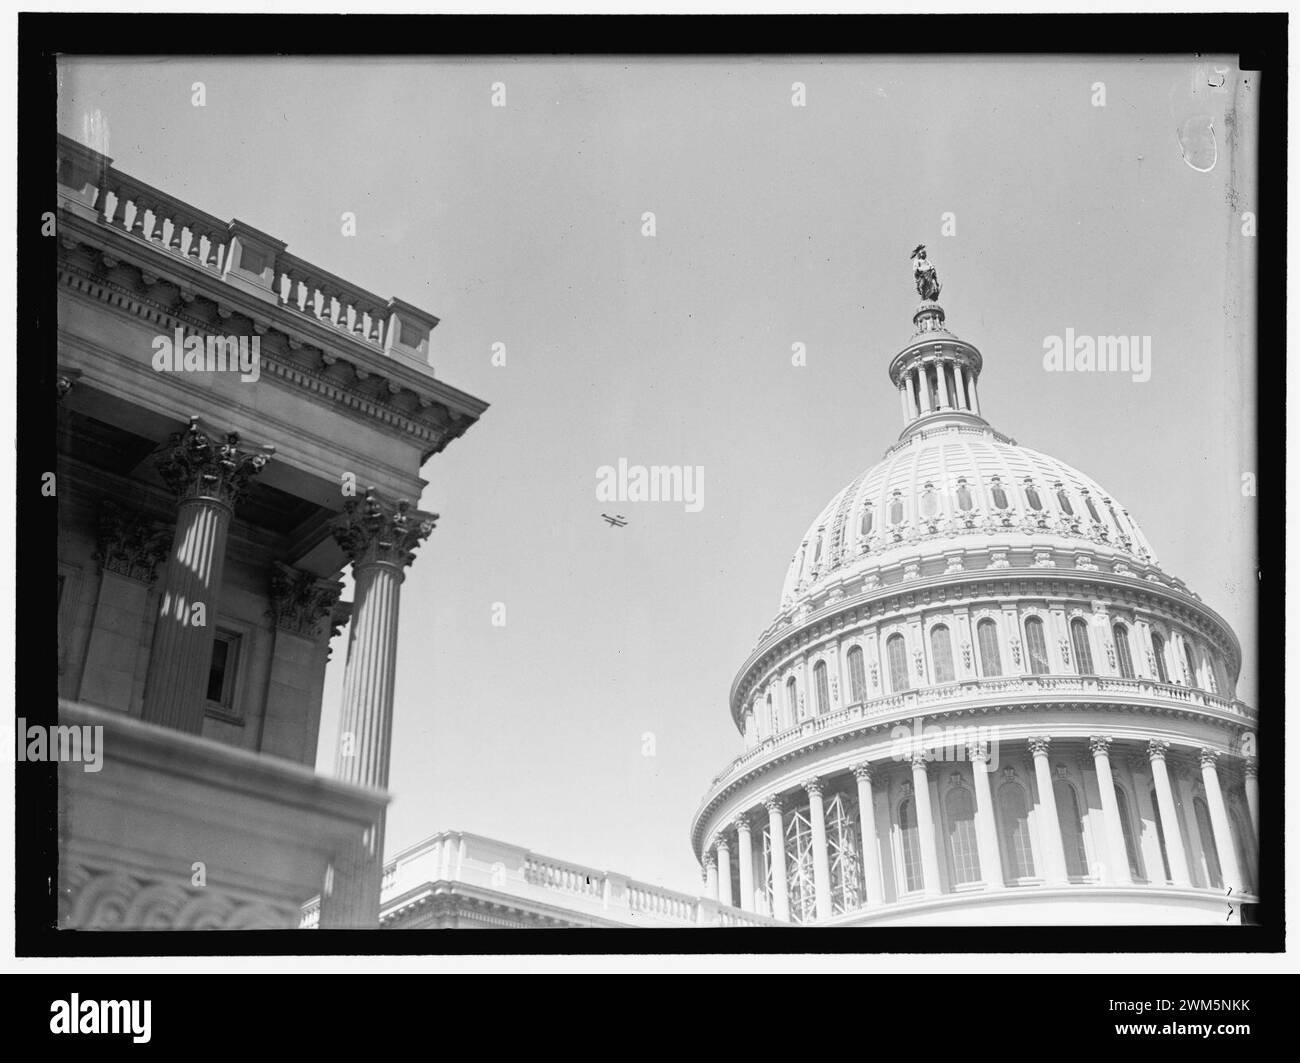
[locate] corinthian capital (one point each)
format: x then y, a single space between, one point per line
373 530
130 544
301 601
1038 745
195 465
1100 745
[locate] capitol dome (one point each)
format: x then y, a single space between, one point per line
981 699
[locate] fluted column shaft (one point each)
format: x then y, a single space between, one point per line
745 854
821 858
1219 821
1049 823
711 875
380 538
1168 813
776 853
986 832
176 687
1117 871
724 872
208 476
923 382
925 825
913 402
871 882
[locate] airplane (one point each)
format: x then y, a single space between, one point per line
615 522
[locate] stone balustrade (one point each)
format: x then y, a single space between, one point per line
1005 690
240 254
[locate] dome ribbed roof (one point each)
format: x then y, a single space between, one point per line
964 487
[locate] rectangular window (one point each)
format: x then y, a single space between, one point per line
221 670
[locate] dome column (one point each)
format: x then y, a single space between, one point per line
925 824
745 854
821 858
974 397
986 833
1049 832
913 402
711 875
871 882
1251 772
724 871
907 409
959 381
1219 821
776 853
1117 870
923 382
1140 769
380 538
1168 813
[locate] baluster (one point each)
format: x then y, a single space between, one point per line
137 223
195 253
214 250
174 244
119 207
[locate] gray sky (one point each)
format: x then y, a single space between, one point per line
775 225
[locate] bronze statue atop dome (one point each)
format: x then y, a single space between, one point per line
927 280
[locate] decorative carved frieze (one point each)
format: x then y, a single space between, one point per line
195 465
372 530
130 544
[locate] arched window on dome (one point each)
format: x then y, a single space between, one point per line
1067 812
1160 835
1126 828
941 654
1036 646
822 688
986 633
896 509
1082 646
1158 652
910 843
791 700
1123 654
963 854
1206 831
857 677
1063 500
866 521
1013 832
999 495
965 502
1189 657
1031 495
896 651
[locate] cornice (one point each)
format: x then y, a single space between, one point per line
313 355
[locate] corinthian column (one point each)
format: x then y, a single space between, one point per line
1219 821
1168 813
821 857
1252 791
208 478
1049 823
986 833
380 538
925 824
873 891
776 853
1117 870
745 856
